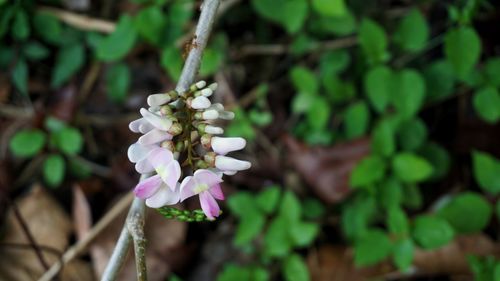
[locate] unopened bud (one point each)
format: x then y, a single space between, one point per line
210 158
200 102
198 85
165 110
200 164
209 129
158 99
175 129
213 86
206 141
168 145
179 146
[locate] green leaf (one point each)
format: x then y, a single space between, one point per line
117 82
313 209
171 60
371 248
357 215
383 139
412 134
6 16
260 118
377 85
338 91
291 14
20 26
408 92
339 26
438 157
295 269
35 51
53 170
69 60
248 228
211 61
69 140
241 204
79 168
304 80
276 240
356 120
403 252
27 142
439 80
487 104
318 115
411 168
20 76
303 233
290 208
119 43
368 171
432 232
334 62
491 70
53 124
390 193
150 23
412 32
462 47
373 41
397 221
486 170
467 212
268 199
233 272
412 196
330 8
48 27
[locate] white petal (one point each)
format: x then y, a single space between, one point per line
206 92
217 106
225 145
230 173
154 136
158 99
213 130
226 115
163 197
146 127
144 166
213 86
200 102
200 84
210 114
161 123
137 152
135 125
225 163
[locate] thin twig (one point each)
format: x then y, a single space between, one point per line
80 21
82 244
136 229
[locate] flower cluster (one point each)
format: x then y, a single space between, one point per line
179 138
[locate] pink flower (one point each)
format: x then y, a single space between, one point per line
206 184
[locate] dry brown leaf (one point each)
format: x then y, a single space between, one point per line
327 169
163 237
82 215
51 228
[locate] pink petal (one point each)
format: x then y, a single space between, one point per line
146 188
187 187
172 174
160 157
154 136
207 177
163 197
144 166
216 192
209 205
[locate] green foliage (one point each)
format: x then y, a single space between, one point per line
48 27
408 92
149 23
412 32
484 268
432 232
373 41
439 80
412 134
27 142
357 117
54 169
20 76
118 82
368 171
69 60
69 140
171 60
377 88
182 215
330 8
250 273
119 43
371 248
491 70
290 14
462 48
438 157
383 138
486 170
403 252
487 104
295 269
411 168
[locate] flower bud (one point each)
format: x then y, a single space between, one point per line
158 99
210 158
206 92
210 114
213 86
198 85
200 102
230 173
168 145
223 146
161 123
226 115
175 129
200 164
225 163
179 146
165 110
206 140
209 129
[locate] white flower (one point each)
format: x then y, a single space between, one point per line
200 102
158 99
225 163
223 146
209 129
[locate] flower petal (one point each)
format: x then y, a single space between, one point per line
134 125
223 146
159 122
207 177
216 192
209 205
160 157
163 197
154 136
146 188
144 166
172 174
146 127
187 188
225 163
137 152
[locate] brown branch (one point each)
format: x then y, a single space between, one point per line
79 21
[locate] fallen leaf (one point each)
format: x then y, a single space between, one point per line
82 215
327 169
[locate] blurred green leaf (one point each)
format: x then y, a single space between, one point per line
291 14
373 41
467 212
411 168
171 60
260 118
248 228
377 85
438 157
35 51
371 248
295 269
303 233
79 168
338 91
211 61
27 142
304 80
313 209
268 199
53 170
390 193
486 170
242 203
412 134
340 26
150 23
290 208
356 120
117 82
439 80
432 232
397 221
487 104
119 43
276 240
356 216
334 62
69 60
462 47
412 196
48 27
6 15
383 138
403 251
69 140
20 76
367 172
408 92
412 32
53 124
331 8
318 115
491 70
21 27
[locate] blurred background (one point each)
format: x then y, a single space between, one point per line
372 127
